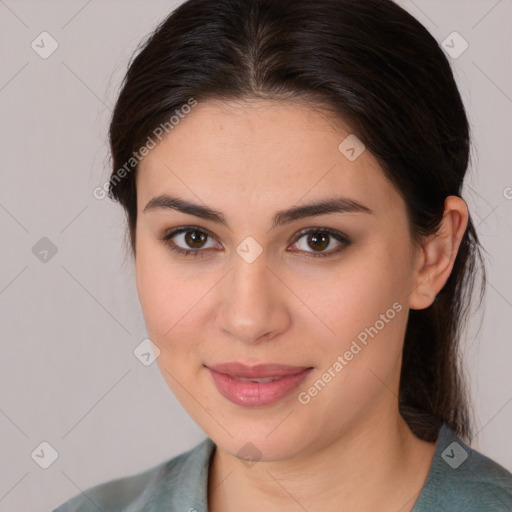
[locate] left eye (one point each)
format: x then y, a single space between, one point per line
321 239
194 240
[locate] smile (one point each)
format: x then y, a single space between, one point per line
256 386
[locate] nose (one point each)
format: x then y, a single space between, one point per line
253 305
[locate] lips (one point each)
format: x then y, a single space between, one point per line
256 385
259 371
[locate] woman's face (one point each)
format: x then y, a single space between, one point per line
257 290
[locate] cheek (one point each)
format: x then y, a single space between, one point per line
364 306
155 293
161 291
172 299
167 306
364 286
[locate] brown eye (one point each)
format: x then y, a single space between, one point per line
195 239
191 241
319 240
188 241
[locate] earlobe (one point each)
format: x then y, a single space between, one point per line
438 253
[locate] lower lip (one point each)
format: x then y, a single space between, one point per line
254 394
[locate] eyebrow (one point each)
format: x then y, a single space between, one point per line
333 205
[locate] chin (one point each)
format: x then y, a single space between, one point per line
265 441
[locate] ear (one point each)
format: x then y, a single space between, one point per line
437 255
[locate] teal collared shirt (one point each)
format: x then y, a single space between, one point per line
460 479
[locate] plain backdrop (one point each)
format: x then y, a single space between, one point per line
70 316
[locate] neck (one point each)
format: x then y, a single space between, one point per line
378 464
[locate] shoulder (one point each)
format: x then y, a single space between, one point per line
463 479
151 489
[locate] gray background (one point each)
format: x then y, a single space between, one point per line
69 324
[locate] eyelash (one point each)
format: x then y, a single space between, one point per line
166 239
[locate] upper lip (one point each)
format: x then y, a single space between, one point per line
256 371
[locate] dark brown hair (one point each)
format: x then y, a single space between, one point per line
379 70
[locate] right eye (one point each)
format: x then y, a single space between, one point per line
191 238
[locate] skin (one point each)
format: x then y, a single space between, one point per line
249 160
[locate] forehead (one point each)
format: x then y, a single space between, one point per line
245 153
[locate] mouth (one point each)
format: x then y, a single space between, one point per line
256 385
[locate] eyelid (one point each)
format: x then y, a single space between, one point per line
340 237
166 239
337 235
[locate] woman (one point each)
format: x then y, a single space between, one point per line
291 174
